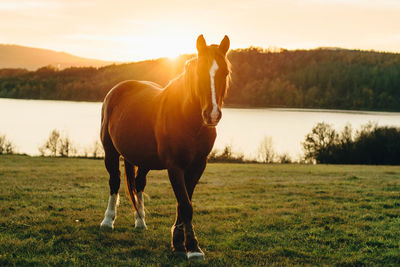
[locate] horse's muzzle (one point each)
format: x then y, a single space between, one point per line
211 119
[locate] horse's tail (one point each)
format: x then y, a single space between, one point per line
130 174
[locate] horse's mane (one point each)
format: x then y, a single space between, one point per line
228 77
190 77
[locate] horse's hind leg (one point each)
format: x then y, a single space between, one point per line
111 160
140 183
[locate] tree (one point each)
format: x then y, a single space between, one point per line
57 145
266 151
320 142
6 146
284 158
66 148
370 145
51 145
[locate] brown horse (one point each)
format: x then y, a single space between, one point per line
171 128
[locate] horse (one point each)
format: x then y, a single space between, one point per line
173 128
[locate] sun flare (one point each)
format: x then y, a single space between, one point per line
160 43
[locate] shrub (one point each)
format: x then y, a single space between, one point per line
6 146
57 145
370 145
284 158
225 156
266 152
377 145
320 142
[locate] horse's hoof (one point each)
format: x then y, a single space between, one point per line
107 225
195 256
140 224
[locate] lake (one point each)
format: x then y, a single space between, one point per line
28 123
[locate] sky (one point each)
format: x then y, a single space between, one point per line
130 30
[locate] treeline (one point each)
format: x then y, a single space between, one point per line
372 144
83 84
321 78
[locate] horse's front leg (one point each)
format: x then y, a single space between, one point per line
184 217
111 160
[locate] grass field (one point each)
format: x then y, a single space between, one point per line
245 214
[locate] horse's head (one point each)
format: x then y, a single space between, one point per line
213 72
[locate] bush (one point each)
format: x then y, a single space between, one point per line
57 145
266 152
377 145
370 145
284 158
320 142
225 156
6 146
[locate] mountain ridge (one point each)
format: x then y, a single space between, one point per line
32 58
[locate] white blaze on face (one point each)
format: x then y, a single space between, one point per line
214 113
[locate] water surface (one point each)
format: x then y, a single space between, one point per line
27 123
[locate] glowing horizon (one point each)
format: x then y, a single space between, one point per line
133 31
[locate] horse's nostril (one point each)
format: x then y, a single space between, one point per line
219 115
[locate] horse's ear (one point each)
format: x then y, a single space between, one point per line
201 44
224 45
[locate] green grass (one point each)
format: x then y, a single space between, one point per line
245 214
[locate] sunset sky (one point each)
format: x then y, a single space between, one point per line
127 30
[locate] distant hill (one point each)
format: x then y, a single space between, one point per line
15 56
320 78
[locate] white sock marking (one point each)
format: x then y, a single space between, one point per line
139 221
213 70
111 212
195 255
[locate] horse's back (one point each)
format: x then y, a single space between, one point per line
129 92
128 115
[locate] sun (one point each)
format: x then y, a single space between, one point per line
169 42
173 47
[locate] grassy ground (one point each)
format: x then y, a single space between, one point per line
245 214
